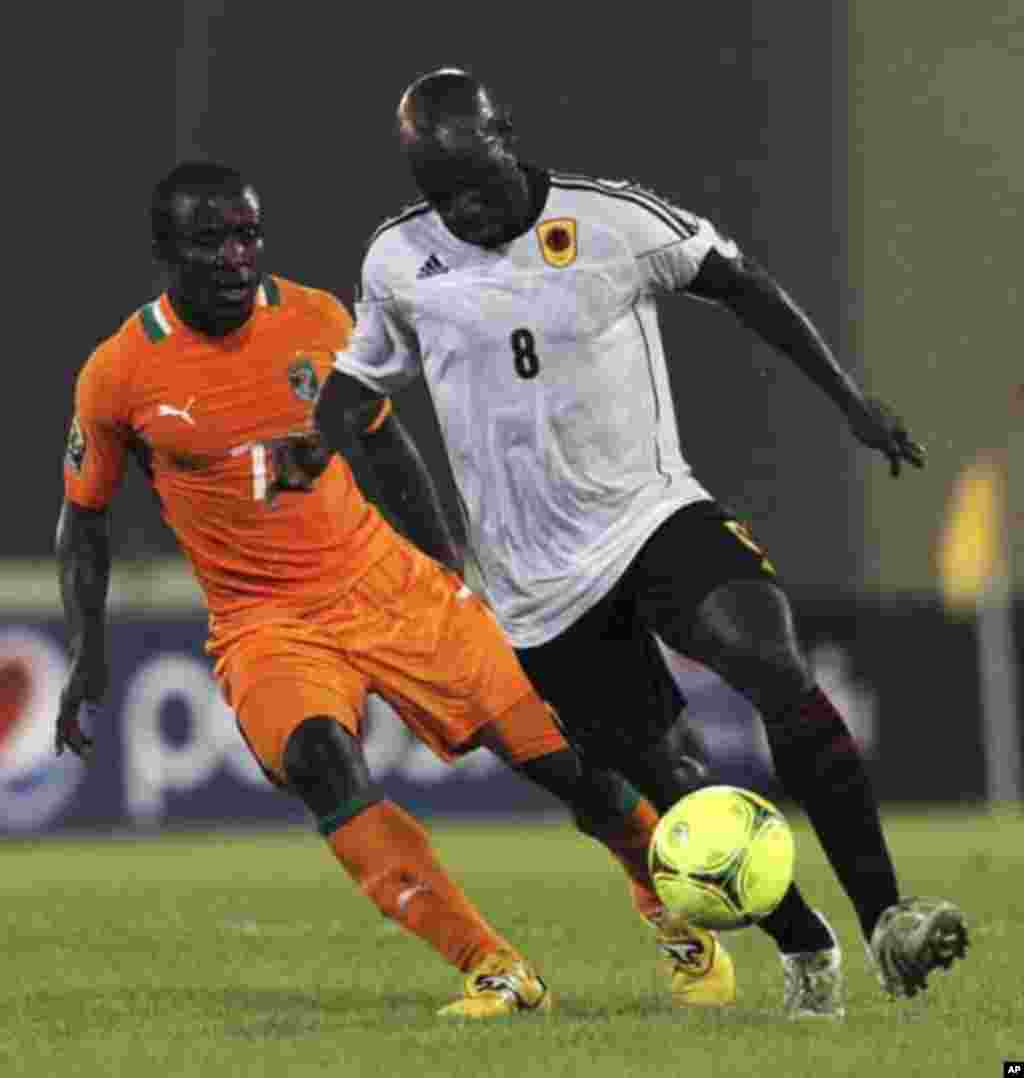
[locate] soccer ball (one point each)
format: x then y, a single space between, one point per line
722 856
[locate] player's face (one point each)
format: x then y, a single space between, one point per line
467 172
215 256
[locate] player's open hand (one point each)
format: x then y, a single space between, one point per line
296 462
81 696
877 426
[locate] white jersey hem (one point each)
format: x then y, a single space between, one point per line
535 636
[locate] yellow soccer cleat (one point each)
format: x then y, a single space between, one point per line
503 983
700 968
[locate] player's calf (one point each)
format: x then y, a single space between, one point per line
382 848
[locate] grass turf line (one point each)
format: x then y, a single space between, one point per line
229 954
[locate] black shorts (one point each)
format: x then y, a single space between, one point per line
605 675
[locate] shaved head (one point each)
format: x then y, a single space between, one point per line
431 104
458 142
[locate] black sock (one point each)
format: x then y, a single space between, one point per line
794 927
819 764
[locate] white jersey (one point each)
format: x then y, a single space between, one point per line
545 364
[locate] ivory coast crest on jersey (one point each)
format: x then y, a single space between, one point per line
303 380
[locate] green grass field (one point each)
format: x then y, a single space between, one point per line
252 954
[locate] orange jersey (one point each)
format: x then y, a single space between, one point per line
197 411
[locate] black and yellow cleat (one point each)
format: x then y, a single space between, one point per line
700 968
503 983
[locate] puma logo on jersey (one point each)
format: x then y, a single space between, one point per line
431 268
181 413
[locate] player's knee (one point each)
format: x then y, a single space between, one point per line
325 765
664 781
745 631
318 744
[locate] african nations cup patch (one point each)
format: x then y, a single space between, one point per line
303 380
557 239
75 453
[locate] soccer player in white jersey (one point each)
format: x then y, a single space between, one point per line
527 299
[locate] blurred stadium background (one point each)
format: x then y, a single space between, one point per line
870 161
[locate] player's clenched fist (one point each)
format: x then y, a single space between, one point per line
82 693
296 462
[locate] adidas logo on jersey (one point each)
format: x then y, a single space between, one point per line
431 268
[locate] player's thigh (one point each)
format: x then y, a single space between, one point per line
607 680
745 632
527 731
697 551
275 679
433 650
705 585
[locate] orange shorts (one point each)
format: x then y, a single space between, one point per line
409 631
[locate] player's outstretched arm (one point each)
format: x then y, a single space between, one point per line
83 562
386 463
760 303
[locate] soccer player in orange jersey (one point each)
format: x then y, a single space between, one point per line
314 600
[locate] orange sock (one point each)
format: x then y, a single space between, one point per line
628 844
390 856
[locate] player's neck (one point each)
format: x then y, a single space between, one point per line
193 315
536 184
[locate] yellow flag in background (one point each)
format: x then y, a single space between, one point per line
972 551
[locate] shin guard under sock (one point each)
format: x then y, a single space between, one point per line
390 857
793 926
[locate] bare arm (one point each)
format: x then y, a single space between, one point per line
760 303
386 463
83 562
